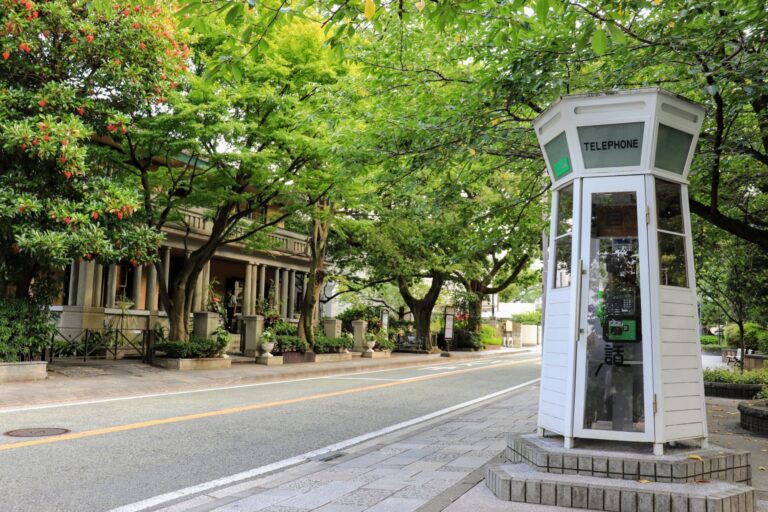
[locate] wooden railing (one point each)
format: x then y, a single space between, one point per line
281 240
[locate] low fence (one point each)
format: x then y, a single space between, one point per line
103 344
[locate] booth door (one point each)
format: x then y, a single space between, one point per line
613 366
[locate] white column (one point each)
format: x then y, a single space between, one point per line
137 302
262 281
150 301
247 289
85 283
73 274
284 295
291 293
98 278
111 286
254 284
276 291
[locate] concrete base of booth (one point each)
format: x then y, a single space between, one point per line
605 476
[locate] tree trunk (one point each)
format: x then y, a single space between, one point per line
318 245
422 308
474 310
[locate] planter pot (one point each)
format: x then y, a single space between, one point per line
370 345
266 348
754 416
331 358
728 390
23 371
379 354
202 363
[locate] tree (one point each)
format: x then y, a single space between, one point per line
231 148
72 75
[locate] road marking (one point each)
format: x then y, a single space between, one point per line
207 390
361 378
233 410
298 459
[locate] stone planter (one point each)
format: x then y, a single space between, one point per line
728 390
493 347
331 358
298 357
754 416
267 348
23 371
377 354
202 363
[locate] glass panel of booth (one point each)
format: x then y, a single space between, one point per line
563 234
673 270
611 145
613 393
558 156
672 148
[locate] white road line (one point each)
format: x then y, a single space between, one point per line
275 466
206 390
365 378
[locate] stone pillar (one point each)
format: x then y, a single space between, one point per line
85 283
150 300
262 281
359 328
137 302
332 328
291 293
98 283
111 286
205 323
275 295
72 292
253 325
166 267
254 285
247 289
284 294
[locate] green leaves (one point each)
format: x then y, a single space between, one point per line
599 41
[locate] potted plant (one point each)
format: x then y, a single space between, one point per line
267 342
370 341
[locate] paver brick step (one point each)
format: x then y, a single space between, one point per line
602 459
517 482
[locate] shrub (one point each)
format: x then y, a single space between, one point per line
754 334
286 343
324 345
26 329
734 377
763 394
708 339
383 343
488 336
196 346
285 329
528 318
462 338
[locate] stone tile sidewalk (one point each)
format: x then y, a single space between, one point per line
425 467
430 467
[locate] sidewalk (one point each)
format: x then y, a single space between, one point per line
435 466
75 380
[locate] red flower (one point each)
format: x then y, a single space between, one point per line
67 174
111 128
42 103
95 215
6 55
89 38
64 142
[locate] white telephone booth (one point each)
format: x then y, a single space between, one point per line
621 354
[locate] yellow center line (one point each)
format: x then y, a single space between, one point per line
243 408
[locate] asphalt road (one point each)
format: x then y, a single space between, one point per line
120 452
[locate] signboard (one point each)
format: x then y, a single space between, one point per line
611 145
448 327
384 319
557 154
